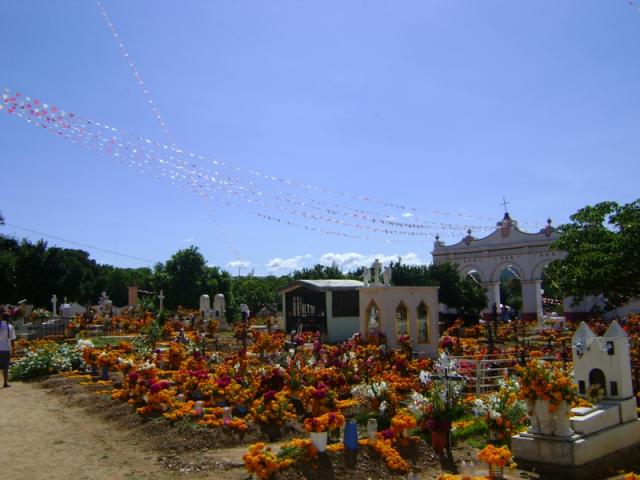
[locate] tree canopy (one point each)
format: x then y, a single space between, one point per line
603 253
463 294
35 271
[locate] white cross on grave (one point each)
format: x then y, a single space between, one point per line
161 298
54 302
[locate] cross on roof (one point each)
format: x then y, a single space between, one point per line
504 204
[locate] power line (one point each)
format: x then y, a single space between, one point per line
146 260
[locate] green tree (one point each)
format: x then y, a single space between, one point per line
187 278
603 253
319 272
457 292
8 252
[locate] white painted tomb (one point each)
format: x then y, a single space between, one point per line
609 427
396 311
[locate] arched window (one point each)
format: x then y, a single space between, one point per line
372 318
597 377
402 320
423 323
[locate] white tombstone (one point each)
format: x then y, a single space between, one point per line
219 310
205 305
75 309
603 358
65 310
598 434
54 302
218 306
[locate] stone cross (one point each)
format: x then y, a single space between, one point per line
54 302
376 271
161 298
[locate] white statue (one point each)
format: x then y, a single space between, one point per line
366 277
386 276
376 272
373 320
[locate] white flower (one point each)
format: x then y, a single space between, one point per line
383 407
82 343
425 377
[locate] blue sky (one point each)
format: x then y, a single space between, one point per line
438 107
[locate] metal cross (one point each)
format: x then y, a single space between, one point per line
161 298
504 204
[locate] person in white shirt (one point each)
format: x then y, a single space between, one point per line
7 346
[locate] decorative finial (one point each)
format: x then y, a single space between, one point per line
437 237
469 232
548 221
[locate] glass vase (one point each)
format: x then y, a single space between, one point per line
496 472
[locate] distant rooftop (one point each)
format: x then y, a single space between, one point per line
324 285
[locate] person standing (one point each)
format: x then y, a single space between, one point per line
7 346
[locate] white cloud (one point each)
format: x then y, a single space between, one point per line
239 264
407 215
353 260
187 240
280 264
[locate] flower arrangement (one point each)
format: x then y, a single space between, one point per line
451 476
212 327
404 342
544 381
502 411
45 358
214 417
262 461
391 456
318 399
595 393
107 358
272 408
401 423
267 342
493 455
176 354
324 423
299 449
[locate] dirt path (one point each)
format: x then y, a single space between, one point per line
42 438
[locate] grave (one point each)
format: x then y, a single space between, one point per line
601 436
398 311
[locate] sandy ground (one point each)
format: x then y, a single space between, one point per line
42 438
47 435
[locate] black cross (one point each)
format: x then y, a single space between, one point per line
504 204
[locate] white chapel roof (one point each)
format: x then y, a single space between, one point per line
615 330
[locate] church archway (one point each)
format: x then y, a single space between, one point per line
507 248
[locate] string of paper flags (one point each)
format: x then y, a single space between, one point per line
170 163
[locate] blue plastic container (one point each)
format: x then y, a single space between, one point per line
350 439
